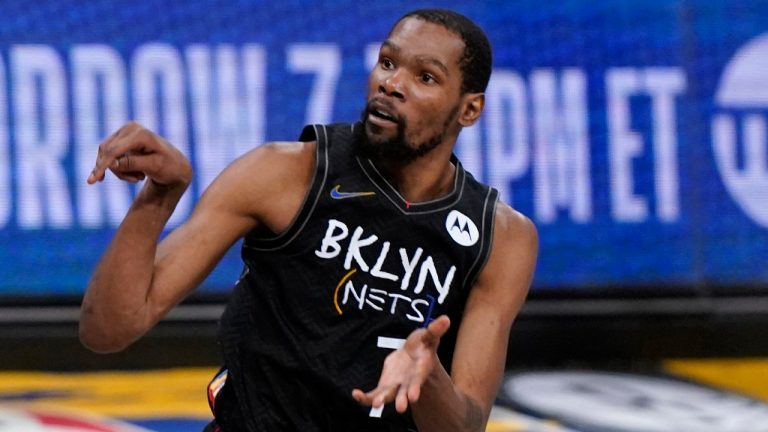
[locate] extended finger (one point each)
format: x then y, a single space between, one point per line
363 398
106 156
97 174
116 147
401 400
380 396
358 395
414 392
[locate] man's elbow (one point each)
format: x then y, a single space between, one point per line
100 341
102 336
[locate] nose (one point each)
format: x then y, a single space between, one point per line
391 85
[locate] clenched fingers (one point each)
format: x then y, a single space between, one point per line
125 167
115 153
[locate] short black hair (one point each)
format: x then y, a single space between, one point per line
476 62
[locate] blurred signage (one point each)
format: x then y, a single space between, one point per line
591 401
634 135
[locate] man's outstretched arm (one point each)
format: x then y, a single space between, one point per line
413 376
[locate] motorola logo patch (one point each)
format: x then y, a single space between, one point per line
461 228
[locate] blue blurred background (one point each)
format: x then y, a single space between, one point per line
633 133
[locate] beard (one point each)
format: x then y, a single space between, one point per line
398 148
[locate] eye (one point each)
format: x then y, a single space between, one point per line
386 63
428 78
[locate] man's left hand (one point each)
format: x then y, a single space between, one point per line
407 369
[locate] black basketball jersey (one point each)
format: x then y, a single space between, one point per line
319 306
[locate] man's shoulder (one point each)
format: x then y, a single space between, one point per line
513 226
287 150
270 164
512 257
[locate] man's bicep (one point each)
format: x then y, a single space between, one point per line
264 186
189 253
493 304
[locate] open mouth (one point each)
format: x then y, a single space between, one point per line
382 115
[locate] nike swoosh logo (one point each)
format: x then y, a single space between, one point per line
337 194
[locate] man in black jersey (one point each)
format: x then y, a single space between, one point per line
365 246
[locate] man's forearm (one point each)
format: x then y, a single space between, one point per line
444 407
114 309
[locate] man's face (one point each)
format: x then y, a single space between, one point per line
414 92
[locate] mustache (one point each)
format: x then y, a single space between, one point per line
384 103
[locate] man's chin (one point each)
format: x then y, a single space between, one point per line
378 135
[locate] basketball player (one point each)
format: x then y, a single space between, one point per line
380 278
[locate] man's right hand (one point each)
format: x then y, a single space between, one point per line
134 153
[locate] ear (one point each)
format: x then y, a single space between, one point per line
472 107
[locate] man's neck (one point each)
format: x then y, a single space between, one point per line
424 179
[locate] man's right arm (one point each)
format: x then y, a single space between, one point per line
138 281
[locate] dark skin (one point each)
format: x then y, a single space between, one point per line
418 78
423 85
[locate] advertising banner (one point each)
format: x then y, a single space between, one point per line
632 133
